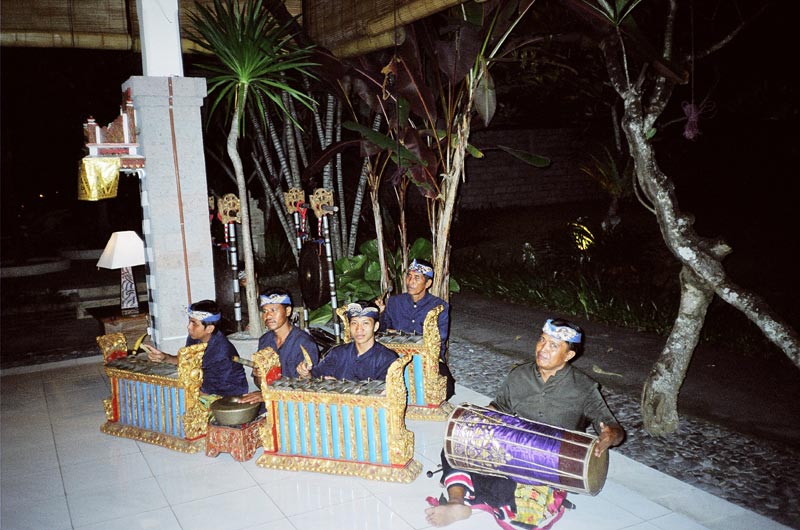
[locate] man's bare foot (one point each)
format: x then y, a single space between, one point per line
445 514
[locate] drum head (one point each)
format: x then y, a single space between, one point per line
313 275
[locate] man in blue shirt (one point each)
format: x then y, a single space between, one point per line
407 311
221 375
361 359
286 339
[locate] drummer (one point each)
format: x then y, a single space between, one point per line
407 311
547 390
291 343
221 376
362 358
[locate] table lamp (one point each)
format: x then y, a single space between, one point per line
123 251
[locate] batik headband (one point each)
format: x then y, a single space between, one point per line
565 333
420 268
357 310
274 298
204 316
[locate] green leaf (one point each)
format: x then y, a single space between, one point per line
386 143
321 315
485 95
474 151
370 249
453 286
421 248
373 272
346 266
528 158
248 53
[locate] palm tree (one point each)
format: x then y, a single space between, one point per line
250 54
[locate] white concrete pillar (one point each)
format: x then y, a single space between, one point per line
160 33
174 201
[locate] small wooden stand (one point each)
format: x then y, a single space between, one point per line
113 321
240 441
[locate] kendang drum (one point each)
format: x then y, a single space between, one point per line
490 442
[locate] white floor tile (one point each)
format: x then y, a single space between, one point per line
16 459
161 519
305 492
32 485
676 521
54 388
104 472
229 511
36 514
78 403
408 500
283 524
366 513
124 500
264 475
20 431
86 445
204 481
72 371
163 461
628 500
597 514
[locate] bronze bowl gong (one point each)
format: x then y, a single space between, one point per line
229 411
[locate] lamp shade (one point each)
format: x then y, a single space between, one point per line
124 249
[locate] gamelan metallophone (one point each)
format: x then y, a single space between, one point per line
426 387
338 427
152 402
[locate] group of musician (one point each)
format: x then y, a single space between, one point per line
546 389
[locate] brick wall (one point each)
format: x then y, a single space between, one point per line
500 179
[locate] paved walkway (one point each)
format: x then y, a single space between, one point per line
60 472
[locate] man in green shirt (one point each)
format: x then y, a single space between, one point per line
546 390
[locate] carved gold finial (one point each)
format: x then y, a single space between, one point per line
229 208
322 197
292 197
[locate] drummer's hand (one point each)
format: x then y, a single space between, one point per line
303 370
610 435
252 397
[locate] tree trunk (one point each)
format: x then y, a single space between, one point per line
703 257
401 202
251 289
376 216
444 219
341 215
362 184
660 393
274 196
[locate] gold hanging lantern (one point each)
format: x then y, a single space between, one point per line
98 178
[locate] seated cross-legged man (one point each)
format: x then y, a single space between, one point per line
547 390
291 343
407 311
359 360
221 375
